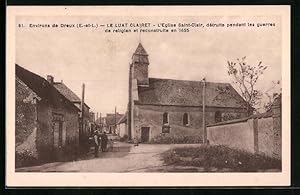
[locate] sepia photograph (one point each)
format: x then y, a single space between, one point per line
195 90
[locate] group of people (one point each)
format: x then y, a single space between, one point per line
100 140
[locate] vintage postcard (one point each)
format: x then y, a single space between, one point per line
148 96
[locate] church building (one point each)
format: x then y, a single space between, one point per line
166 106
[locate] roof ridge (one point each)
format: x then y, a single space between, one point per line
30 72
188 80
68 89
75 101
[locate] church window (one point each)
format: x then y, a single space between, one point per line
186 119
218 116
165 118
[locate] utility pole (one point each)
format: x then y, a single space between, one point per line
81 132
115 119
100 119
97 118
203 112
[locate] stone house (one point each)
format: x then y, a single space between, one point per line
122 126
46 127
166 106
110 122
92 122
85 129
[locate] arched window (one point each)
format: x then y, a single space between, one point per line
185 119
165 118
218 116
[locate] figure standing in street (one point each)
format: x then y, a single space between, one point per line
104 140
96 142
136 141
111 144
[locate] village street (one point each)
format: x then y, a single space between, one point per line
124 158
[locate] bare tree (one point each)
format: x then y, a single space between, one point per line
272 94
245 78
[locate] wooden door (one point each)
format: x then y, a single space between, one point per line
58 134
145 134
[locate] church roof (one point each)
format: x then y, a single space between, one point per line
188 93
140 50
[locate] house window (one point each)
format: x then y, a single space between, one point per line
165 118
218 116
186 120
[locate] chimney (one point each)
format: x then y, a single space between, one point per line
50 79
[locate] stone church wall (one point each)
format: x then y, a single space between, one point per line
141 74
152 116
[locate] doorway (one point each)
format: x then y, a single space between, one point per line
57 134
145 134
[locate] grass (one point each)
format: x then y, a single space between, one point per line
176 139
220 158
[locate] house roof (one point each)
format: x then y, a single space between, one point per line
188 93
110 118
42 87
100 121
67 92
123 119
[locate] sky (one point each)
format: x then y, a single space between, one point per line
101 60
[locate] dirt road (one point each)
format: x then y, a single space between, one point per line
124 158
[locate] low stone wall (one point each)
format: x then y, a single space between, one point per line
257 135
235 135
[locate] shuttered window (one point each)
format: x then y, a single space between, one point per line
218 116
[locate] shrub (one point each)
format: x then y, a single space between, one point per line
25 158
124 138
176 139
220 157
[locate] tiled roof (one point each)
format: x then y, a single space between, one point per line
123 119
67 92
110 118
188 93
42 87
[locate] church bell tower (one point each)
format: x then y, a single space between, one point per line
140 63
138 76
